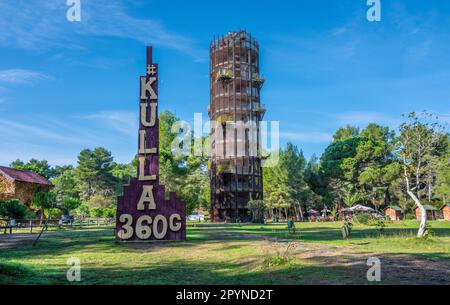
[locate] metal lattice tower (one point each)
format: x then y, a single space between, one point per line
235 80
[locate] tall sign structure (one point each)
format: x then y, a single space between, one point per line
235 105
143 211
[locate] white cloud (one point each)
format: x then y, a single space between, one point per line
420 50
60 139
21 76
360 118
41 25
307 137
125 122
13 129
339 31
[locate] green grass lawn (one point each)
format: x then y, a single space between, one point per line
228 254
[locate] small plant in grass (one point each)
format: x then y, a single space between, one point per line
282 256
428 233
276 260
380 224
363 218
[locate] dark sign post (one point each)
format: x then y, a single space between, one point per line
143 211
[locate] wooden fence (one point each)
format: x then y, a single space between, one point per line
24 224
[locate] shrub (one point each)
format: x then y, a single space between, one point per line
380 224
335 213
258 209
98 201
53 213
109 213
13 209
410 216
68 204
30 215
82 211
96 212
363 218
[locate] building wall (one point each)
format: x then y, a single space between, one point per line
446 213
26 191
430 215
20 190
7 189
392 214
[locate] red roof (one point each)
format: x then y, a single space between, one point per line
23 176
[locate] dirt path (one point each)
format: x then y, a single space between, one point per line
9 241
395 268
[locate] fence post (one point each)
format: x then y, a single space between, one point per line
31 226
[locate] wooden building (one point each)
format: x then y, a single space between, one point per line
394 213
22 185
431 212
446 211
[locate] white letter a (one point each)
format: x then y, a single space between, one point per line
374 12
74 12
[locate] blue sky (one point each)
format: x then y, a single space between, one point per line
66 86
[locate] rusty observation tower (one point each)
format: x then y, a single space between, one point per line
235 107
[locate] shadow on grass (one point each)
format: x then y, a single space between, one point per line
184 272
340 269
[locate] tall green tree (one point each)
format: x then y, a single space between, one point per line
284 184
123 174
44 202
376 166
94 173
345 133
338 169
66 184
40 167
359 167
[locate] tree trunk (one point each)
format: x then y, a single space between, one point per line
430 191
301 212
42 217
423 216
295 211
423 212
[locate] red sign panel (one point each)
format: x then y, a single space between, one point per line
144 213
